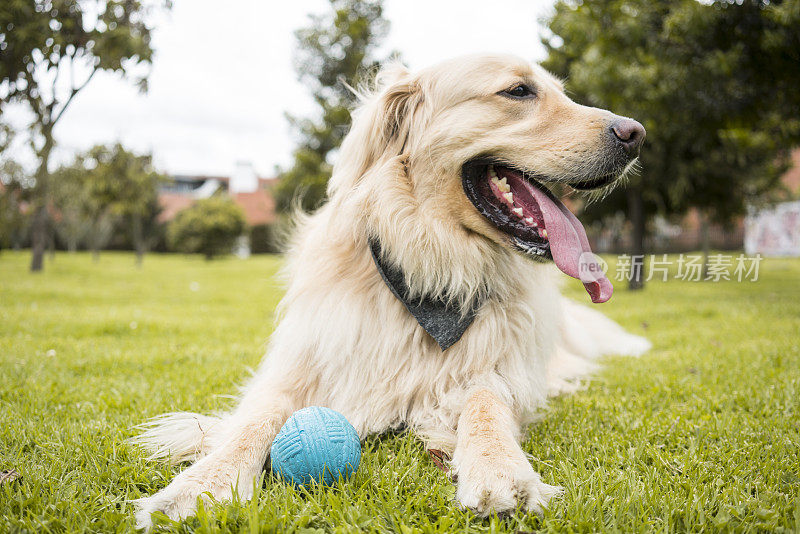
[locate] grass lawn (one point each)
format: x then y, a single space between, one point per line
701 434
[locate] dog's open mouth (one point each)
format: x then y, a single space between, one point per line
537 223
595 183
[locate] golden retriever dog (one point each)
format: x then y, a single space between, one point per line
424 293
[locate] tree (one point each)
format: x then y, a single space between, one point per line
44 42
264 239
122 186
686 70
70 198
104 189
210 227
14 220
334 51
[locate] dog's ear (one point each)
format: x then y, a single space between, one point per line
398 102
381 126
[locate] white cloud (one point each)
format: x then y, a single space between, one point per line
223 76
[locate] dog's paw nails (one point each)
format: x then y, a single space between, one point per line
538 495
498 487
177 501
487 492
467 501
484 501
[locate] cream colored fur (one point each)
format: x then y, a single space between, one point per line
345 342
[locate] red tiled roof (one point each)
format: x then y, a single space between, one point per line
258 206
171 204
791 178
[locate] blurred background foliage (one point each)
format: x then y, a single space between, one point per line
105 189
210 227
715 84
43 41
334 53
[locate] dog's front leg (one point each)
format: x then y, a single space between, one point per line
233 466
493 472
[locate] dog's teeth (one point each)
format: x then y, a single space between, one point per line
517 211
509 197
503 185
529 220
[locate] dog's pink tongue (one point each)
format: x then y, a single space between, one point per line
570 247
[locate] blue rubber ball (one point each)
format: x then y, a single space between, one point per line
316 444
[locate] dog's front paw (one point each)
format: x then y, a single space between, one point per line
179 499
496 482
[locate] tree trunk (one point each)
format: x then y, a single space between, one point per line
138 238
38 238
637 218
51 244
41 193
705 241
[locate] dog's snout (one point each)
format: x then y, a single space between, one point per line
628 133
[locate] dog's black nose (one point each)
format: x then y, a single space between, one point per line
628 133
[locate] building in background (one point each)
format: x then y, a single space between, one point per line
775 230
249 191
770 231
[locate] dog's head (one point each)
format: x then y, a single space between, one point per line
482 137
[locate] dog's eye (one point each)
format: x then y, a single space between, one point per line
519 91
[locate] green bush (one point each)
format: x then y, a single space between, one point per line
264 239
210 227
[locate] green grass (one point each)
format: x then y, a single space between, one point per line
702 434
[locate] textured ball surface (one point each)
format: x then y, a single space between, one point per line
316 444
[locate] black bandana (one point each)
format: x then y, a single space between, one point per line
441 321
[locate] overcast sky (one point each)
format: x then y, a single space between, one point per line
222 77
